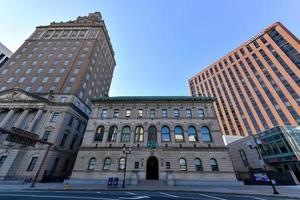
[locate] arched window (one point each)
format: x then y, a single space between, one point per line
92 164
165 134
106 165
139 134
99 133
125 137
198 164
112 134
192 134
205 134
178 134
214 165
122 163
152 134
182 164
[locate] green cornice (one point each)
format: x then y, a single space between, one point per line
152 98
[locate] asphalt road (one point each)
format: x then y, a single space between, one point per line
119 195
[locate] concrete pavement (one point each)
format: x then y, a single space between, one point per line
285 191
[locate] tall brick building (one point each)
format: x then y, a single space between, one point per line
44 89
257 85
74 57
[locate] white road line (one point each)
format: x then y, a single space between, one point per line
169 195
51 196
258 198
131 193
212 197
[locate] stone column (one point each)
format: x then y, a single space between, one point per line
104 140
186 136
34 120
7 118
21 119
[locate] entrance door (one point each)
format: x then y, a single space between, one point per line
152 169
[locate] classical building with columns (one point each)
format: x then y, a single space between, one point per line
57 118
173 140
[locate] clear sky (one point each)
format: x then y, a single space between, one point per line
158 44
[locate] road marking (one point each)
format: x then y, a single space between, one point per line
170 195
46 196
137 197
212 197
258 198
131 193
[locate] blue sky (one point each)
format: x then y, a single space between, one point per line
158 44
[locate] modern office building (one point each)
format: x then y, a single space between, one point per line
5 54
74 57
280 150
257 85
55 118
173 140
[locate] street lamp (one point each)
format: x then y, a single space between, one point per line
126 152
257 147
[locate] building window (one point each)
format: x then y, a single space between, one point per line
206 136
112 134
214 165
152 113
176 113
178 134
106 165
192 134
116 113
71 121
45 79
244 157
54 117
17 70
140 112
139 134
182 164
188 113
152 134
2 160
33 79
63 140
104 113
164 113
99 134
39 89
125 137
46 136
198 164
3 88
92 164
28 71
27 89
165 134
122 162
10 79
168 165
201 113
4 71
128 113
32 163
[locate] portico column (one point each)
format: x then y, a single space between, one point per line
7 118
21 119
35 119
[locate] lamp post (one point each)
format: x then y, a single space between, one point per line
257 147
126 152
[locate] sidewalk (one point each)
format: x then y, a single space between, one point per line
285 191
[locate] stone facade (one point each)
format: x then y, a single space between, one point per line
5 54
57 118
175 140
